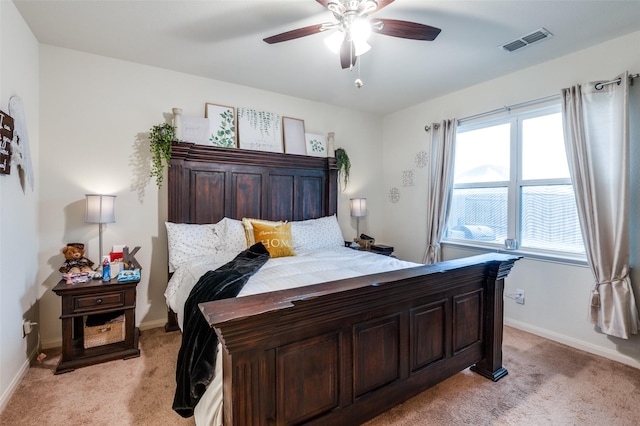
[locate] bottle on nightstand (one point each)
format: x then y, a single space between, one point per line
106 269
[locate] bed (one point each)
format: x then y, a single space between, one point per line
338 351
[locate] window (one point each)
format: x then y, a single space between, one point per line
511 181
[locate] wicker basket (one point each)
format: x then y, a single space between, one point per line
99 335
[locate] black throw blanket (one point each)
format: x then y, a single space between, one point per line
197 356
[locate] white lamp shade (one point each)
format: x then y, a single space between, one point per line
361 47
334 41
360 30
358 207
100 208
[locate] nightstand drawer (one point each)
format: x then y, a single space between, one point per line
101 301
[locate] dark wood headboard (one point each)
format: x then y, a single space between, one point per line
209 183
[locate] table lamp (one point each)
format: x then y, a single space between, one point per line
358 208
100 209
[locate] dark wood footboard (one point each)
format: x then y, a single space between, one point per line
172 321
343 352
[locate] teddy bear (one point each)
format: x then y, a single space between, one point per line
74 259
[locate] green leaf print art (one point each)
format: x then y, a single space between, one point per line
222 125
316 145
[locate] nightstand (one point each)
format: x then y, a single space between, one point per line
92 298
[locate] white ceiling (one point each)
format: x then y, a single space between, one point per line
222 40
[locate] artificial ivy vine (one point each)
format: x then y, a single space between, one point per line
344 166
161 137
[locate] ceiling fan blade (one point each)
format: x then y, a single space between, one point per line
347 54
325 3
405 29
293 34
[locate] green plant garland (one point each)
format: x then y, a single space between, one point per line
344 166
161 136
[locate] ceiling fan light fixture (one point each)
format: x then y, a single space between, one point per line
353 28
336 6
334 41
361 47
368 6
360 30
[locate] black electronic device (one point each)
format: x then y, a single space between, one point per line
381 248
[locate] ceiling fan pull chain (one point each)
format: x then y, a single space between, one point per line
358 81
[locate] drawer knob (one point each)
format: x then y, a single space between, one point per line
98 301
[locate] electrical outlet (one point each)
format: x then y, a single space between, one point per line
27 327
520 296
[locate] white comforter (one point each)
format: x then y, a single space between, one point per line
305 268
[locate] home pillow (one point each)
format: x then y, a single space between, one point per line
316 234
275 237
247 223
186 241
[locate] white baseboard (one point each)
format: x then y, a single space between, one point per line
152 324
573 342
53 343
8 393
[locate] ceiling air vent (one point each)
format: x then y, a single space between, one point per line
526 40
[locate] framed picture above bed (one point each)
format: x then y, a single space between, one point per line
259 130
316 145
194 130
293 131
222 125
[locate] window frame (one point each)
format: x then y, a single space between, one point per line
514 186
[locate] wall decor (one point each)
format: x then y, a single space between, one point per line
408 177
294 141
394 195
316 145
222 125
422 159
259 130
161 136
21 154
177 123
194 130
6 136
331 140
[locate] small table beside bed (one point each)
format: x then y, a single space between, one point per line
329 335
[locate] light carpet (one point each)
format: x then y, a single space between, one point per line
548 384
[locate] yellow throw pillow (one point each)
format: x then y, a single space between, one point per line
276 238
248 228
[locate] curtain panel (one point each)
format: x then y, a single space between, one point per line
440 185
596 132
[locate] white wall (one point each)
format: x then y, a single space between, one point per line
96 115
18 204
556 294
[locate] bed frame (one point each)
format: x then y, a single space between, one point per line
340 352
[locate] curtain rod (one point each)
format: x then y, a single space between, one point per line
600 85
510 107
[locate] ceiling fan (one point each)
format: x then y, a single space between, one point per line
354 26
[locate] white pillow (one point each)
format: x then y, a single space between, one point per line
187 241
314 234
233 235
